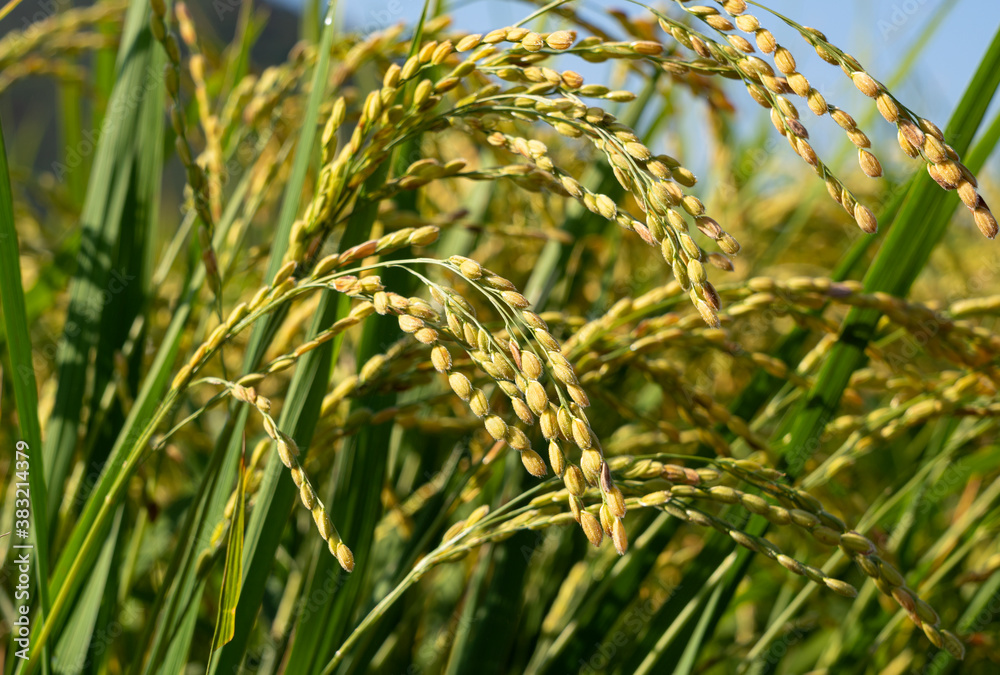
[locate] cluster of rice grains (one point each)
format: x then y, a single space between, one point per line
496 87
796 508
918 137
518 362
49 46
410 103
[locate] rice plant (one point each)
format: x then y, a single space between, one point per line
427 351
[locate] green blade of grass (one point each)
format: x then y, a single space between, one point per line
169 639
22 374
111 184
172 598
176 660
115 182
309 24
602 601
126 454
673 620
104 79
77 555
70 654
415 573
399 553
238 53
232 575
125 299
490 612
697 622
718 599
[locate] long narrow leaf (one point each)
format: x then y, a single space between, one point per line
22 373
232 576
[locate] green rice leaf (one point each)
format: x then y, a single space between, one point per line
22 374
232 576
